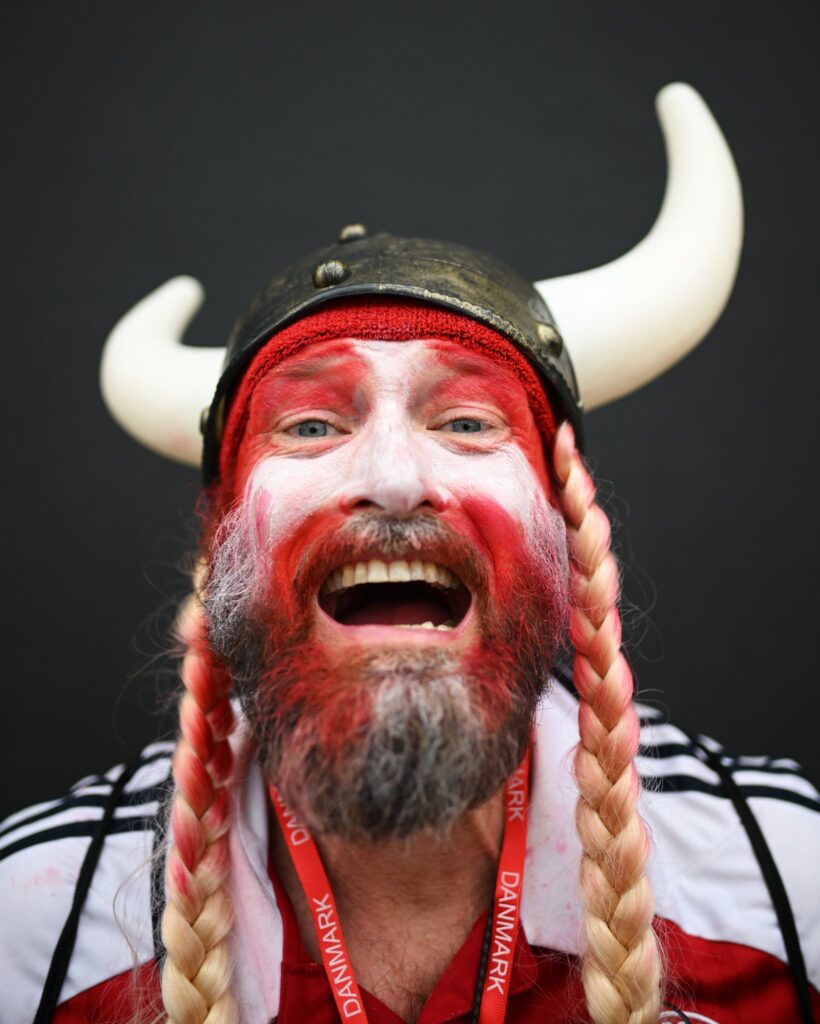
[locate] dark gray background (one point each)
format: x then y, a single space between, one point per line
142 141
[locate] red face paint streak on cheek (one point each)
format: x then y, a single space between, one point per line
532 445
261 513
502 539
319 676
526 612
288 560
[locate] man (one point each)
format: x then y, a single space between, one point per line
386 823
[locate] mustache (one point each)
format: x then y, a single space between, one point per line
370 534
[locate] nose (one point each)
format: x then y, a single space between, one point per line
394 474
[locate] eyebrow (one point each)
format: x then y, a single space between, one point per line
313 366
301 380
464 362
466 368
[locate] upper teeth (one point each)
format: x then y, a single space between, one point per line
376 571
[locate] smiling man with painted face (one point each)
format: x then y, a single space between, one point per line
390 801
403 575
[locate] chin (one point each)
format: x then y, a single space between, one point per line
392 741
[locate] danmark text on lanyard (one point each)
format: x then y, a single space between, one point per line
506 904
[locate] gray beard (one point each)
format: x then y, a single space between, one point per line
387 743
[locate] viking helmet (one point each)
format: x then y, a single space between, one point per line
593 336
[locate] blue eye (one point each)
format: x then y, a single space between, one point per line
312 428
465 425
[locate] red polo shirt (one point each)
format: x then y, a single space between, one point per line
538 984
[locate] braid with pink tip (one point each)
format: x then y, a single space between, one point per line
621 969
196 974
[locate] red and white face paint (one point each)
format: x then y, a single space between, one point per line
397 532
402 428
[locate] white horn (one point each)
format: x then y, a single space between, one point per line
628 321
153 386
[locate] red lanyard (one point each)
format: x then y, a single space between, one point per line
506 904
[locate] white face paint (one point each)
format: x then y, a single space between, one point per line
395 426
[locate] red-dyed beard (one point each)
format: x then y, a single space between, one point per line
385 742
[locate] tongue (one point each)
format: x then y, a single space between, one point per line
396 613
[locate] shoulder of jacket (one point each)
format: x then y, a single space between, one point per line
673 762
705 873
42 850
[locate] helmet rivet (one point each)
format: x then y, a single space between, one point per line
353 232
330 272
551 338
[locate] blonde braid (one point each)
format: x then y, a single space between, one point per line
198 915
621 968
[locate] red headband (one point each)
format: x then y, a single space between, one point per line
376 318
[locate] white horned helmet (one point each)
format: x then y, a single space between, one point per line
593 336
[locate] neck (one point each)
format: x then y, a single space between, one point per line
423 871
405 905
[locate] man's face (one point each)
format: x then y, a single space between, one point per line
392 587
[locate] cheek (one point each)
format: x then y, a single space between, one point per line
291 505
249 455
532 446
504 538
282 496
529 443
506 476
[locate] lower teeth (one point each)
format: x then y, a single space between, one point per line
449 624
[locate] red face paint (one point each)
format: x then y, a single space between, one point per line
388 318
329 383
472 377
513 623
479 509
315 381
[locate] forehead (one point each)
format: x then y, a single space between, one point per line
428 363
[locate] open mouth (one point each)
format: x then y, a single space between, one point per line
411 595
